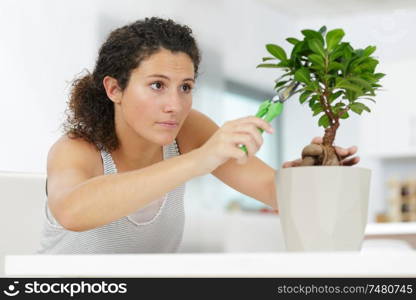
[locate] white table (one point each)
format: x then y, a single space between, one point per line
319 264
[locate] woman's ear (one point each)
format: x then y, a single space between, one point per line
112 89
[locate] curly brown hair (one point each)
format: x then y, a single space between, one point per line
90 113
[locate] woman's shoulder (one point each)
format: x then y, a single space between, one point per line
73 151
195 131
74 144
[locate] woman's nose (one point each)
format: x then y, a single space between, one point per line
173 103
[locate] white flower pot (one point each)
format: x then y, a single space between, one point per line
323 208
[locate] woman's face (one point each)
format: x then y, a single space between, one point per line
158 96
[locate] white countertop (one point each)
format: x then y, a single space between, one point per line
397 263
394 228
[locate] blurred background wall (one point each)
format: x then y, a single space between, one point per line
45 44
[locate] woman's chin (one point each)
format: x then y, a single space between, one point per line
164 140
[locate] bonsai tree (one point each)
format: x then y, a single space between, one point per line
335 79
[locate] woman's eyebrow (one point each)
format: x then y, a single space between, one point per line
166 77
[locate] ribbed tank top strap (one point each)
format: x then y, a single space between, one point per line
171 150
108 163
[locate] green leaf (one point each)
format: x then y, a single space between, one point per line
329 77
333 38
363 106
316 47
369 65
268 58
317 70
361 82
314 85
347 51
316 59
368 77
304 96
379 75
268 66
280 83
296 49
357 61
358 107
276 51
335 66
334 96
313 100
303 75
322 30
344 84
284 64
345 115
312 34
357 110
317 109
323 121
337 52
317 112
316 105
369 50
293 41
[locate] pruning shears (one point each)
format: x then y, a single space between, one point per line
270 109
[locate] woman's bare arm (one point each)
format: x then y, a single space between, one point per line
81 199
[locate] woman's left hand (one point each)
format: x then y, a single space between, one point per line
344 153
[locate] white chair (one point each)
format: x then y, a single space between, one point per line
22 197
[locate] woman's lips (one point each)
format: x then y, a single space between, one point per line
168 124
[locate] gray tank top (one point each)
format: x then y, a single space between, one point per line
156 228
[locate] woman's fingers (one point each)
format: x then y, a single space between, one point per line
345 152
246 132
297 163
317 140
351 161
246 140
226 142
293 163
239 155
252 130
342 152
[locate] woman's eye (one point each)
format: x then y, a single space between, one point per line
186 88
156 85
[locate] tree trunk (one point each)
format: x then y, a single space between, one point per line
330 133
325 154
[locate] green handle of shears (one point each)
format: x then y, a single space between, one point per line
267 111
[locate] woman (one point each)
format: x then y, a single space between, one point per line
116 178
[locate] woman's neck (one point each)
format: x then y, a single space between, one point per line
135 152
127 160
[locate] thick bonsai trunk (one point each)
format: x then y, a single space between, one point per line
324 154
329 136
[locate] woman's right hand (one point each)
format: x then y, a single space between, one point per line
224 143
